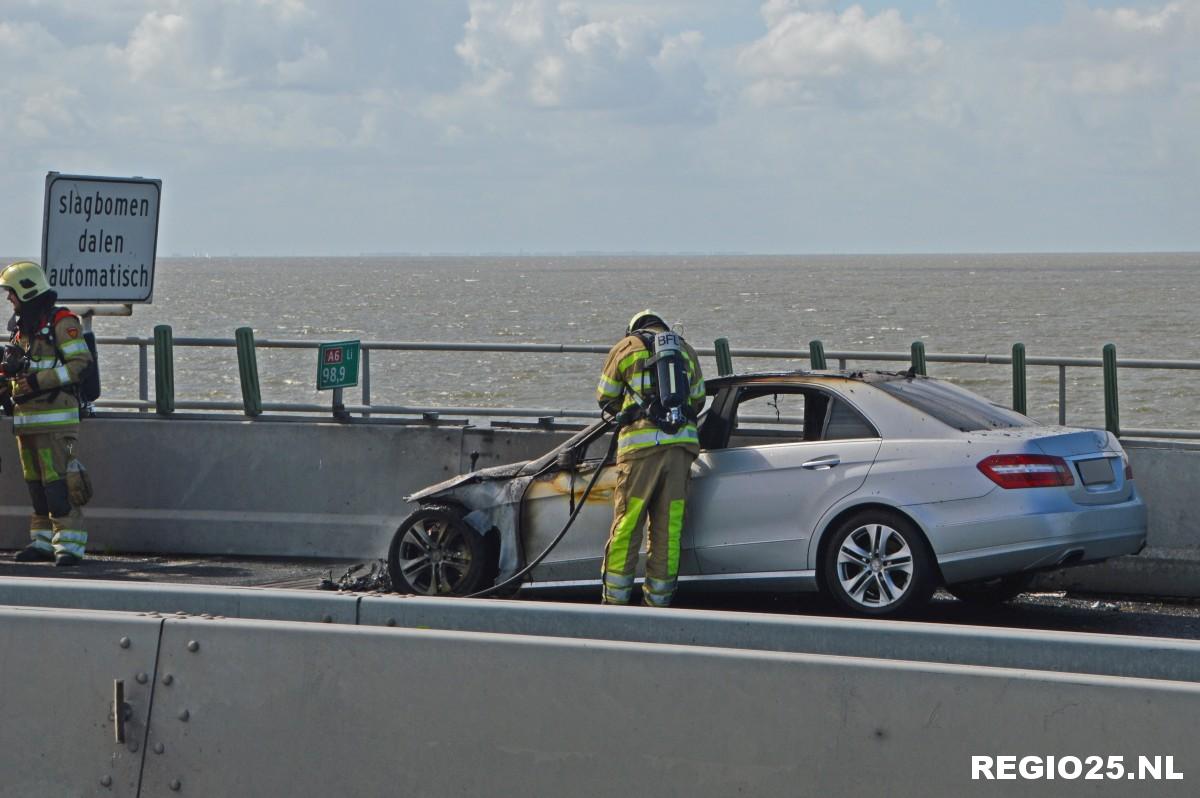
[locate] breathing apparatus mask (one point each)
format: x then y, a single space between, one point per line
13 361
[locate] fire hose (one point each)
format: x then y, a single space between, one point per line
519 575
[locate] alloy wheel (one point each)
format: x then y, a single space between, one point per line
434 556
875 565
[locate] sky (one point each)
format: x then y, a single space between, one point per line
321 127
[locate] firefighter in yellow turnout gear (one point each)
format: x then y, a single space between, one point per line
45 410
654 457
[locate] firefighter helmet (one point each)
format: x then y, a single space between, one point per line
25 279
643 319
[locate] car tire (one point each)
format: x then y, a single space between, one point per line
879 564
991 591
435 553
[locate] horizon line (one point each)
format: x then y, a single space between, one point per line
668 253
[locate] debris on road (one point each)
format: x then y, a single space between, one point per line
376 579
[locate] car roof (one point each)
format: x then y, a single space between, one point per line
820 375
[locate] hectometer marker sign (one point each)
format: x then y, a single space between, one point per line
337 365
99 237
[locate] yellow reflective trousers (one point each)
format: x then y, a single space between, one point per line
652 485
56 525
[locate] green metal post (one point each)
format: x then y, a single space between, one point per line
1019 385
248 371
724 359
816 355
1112 416
164 370
918 357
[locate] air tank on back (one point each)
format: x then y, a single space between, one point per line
671 377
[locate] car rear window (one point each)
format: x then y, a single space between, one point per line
954 406
845 423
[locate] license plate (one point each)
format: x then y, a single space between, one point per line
1095 472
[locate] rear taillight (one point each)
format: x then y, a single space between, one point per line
1128 470
1026 471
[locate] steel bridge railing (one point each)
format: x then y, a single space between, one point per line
161 345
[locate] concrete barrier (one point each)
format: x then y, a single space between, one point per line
1098 654
270 488
57 736
323 489
268 604
1026 649
276 708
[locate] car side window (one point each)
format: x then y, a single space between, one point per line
846 423
773 415
757 415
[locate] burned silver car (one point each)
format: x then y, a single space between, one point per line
872 487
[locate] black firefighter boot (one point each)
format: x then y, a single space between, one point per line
32 553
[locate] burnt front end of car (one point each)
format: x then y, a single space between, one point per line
498 500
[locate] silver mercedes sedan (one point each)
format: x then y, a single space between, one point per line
872 487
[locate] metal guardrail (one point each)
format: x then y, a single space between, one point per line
161 346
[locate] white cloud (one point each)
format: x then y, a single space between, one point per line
48 111
556 56
239 43
1114 52
782 117
775 12
157 40
680 50
22 40
804 48
548 82
1130 19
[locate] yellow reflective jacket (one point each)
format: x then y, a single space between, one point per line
53 367
625 374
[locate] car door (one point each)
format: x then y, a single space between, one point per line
547 506
785 455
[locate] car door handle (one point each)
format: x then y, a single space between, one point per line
822 463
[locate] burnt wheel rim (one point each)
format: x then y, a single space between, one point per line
434 557
875 566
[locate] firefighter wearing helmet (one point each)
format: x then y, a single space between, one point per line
652 383
44 360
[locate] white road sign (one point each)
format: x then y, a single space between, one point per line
99 237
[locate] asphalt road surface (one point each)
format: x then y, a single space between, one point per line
1054 611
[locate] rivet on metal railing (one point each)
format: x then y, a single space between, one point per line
1019 384
248 371
724 359
816 355
1112 416
164 370
918 357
